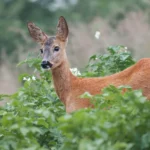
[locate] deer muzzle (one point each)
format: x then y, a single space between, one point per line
46 64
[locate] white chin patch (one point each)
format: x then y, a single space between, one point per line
47 69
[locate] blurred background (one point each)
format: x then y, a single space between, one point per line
119 22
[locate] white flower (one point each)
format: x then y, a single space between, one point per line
33 78
75 71
97 34
125 48
24 78
28 79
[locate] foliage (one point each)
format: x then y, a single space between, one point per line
119 122
116 60
114 10
34 118
29 120
14 15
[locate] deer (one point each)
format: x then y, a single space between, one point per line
68 86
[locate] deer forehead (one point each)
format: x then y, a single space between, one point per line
52 42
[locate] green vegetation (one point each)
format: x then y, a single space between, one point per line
116 60
35 119
14 14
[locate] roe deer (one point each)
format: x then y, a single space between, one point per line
69 87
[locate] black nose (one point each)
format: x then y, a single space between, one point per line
46 64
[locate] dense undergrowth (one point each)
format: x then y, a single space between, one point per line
35 119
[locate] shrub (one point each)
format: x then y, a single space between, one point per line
119 122
117 59
34 118
29 119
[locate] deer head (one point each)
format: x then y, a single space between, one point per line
52 48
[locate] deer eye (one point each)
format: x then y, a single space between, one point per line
56 48
41 50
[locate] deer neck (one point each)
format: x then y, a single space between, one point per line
62 77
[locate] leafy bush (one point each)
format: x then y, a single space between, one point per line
29 120
119 122
35 119
116 60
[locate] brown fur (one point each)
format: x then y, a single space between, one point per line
69 87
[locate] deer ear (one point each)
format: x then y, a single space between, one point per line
62 29
36 33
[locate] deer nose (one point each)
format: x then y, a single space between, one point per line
46 64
